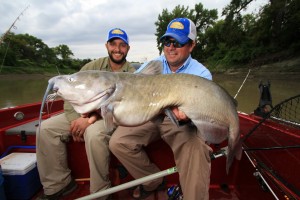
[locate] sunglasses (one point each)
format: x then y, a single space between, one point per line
176 44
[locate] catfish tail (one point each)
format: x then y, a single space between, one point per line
234 150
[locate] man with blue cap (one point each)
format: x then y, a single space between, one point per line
51 149
191 153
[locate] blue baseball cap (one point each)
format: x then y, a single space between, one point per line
117 33
181 29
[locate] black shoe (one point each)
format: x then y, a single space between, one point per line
63 192
144 193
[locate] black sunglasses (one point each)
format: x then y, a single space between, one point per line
176 44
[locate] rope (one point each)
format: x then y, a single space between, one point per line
242 84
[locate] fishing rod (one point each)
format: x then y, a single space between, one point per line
6 33
273 148
13 25
139 181
130 184
288 189
262 169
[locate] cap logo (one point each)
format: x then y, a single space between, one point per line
177 25
117 31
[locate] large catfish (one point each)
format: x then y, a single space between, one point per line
133 99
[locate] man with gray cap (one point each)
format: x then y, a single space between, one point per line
191 153
51 150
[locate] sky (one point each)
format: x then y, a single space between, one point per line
83 25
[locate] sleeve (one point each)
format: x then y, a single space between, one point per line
128 67
200 70
71 114
89 66
86 66
206 74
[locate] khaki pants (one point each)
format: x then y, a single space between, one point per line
52 155
191 154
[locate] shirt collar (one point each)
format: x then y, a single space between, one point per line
180 69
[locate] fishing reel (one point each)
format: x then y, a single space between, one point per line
175 193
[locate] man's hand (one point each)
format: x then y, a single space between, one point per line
78 127
93 117
179 114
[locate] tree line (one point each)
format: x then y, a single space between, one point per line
250 40
235 39
27 51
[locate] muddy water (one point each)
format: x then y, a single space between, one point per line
248 96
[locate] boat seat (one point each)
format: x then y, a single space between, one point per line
28 129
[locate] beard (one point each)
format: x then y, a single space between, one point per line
119 61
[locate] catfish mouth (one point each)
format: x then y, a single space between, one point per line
98 99
101 95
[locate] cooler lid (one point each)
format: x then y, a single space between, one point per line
18 163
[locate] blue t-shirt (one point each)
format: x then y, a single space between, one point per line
190 66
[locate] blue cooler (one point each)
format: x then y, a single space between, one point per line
21 178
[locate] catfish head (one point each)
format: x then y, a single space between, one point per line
86 91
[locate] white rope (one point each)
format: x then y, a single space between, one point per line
242 84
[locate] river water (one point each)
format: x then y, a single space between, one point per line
16 90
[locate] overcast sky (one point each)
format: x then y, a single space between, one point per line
83 24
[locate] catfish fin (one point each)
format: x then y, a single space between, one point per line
172 117
107 116
152 68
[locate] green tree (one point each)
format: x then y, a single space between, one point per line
63 52
26 50
163 20
26 47
279 23
270 35
7 55
202 18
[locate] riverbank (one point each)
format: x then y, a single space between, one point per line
280 70
283 69
25 76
